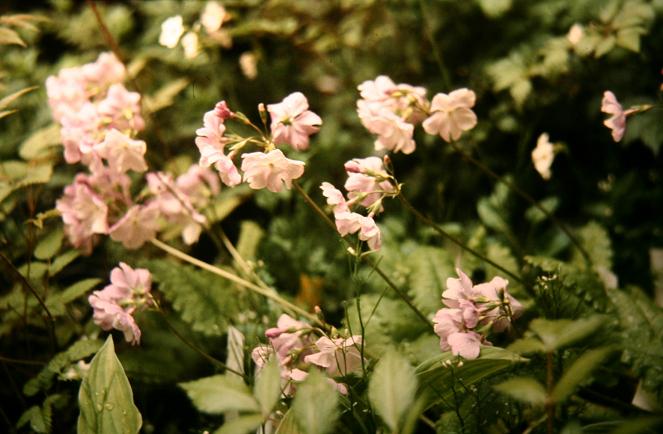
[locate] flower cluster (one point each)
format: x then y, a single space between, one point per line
472 310
115 305
291 124
367 185
297 350
99 119
391 111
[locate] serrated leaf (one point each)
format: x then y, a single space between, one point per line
578 372
596 241
523 389
105 397
220 393
267 389
10 37
392 388
556 334
629 38
49 245
429 269
241 425
201 300
315 404
39 143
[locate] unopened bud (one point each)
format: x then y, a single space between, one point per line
222 111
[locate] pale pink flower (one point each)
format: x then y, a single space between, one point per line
347 222
210 140
351 222
213 16
367 180
222 110
617 122
271 170
378 90
293 122
457 289
121 109
171 30
83 211
334 197
138 226
451 114
105 71
66 92
228 171
543 156
80 130
261 355
465 344
339 357
115 305
394 133
122 152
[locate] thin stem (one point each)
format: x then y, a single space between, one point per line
525 196
374 265
459 243
436 49
27 285
193 346
267 293
104 31
550 405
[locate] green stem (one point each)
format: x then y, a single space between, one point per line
455 240
550 404
267 293
374 265
435 48
525 196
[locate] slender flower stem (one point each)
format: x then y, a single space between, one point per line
525 196
311 203
267 293
455 240
193 346
550 405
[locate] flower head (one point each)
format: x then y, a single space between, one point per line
543 156
171 31
293 122
122 152
616 122
271 170
138 226
451 114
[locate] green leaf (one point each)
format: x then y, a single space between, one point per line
434 375
288 424
315 404
35 416
596 241
203 301
527 345
220 393
40 142
429 269
10 37
392 388
62 261
49 245
250 234
105 397
267 389
535 215
6 101
57 301
561 333
495 8
241 425
523 389
578 372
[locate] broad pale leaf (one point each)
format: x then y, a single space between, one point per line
578 372
105 397
524 389
315 404
219 393
241 425
392 387
557 334
267 389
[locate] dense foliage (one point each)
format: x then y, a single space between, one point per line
493 262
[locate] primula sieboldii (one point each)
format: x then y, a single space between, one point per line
543 156
122 152
268 167
137 226
470 311
451 115
293 122
271 170
115 305
616 122
297 351
172 30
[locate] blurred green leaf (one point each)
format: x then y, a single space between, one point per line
579 372
219 393
524 389
315 404
267 389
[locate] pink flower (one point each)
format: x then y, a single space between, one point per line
222 111
83 211
271 170
121 109
138 226
292 122
465 344
80 130
617 122
334 197
351 222
338 357
116 303
451 114
122 152
394 134
228 171
105 71
210 140
367 181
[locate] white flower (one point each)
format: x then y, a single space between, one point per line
576 32
543 156
248 62
171 31
451 114
213 16
191 45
